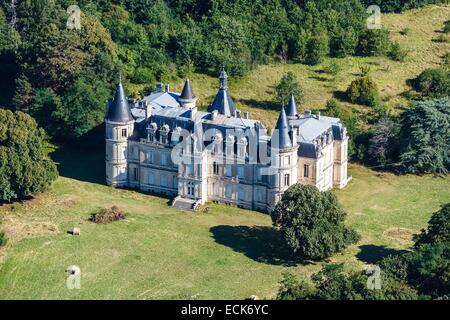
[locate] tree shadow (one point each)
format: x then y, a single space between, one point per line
262 244
370 253
265 104
84 158
340 95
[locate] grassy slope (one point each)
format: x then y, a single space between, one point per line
160 252
252 91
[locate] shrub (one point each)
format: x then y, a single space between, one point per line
107 215
287 86
3 239
397 53
433 82
364 91
447 26
312 222
374 42
333 68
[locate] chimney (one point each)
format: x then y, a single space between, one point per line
307 113
214 114
193 112
245 115
158 87
147 108
318 115
238 113
167 87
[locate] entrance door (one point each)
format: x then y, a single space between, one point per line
190 189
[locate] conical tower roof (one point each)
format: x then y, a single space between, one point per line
292 108
118 109
187 93
223 102
281 132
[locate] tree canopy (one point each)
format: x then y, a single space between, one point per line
312 222
25 169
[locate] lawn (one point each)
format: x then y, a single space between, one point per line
159 252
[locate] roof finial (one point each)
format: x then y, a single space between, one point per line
223 78
120 76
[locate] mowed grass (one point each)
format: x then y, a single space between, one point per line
159 252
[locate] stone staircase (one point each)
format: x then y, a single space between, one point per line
184 203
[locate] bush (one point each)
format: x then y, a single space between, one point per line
438 230
312 222
3 239
447 26
433 83
287 86
364 91
397 53
374 42
107 215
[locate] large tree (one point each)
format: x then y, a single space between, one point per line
425 137
25 169
312 222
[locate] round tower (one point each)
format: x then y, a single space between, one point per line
187 98
119 126
283 160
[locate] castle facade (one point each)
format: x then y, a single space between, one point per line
164 144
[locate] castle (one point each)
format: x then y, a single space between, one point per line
164 144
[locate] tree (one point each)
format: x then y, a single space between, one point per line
424 137
23 95
25 169
438 230
312 222
287 86
379 143
317 47
433 83
396 52
374 42
364 91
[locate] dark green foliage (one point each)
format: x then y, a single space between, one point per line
396 52
433 83
424 137
317 47
364 91
400 5
3 239
332 283
24 168
447 26
438 230
312 222
374 42
287 86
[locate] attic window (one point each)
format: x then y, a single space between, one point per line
124 133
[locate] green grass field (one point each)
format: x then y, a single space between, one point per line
163 253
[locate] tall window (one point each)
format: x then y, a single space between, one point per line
287 180
306 171
124 133
215 168
136 174
228 171
228 192
241 173
164 138
163 159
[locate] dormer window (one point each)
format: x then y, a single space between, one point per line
124 133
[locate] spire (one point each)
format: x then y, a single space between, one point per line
223 77
292 108
118 109
223 102
282 132
187 93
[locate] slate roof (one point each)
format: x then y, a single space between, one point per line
118 109
292 107
281 132
187 93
